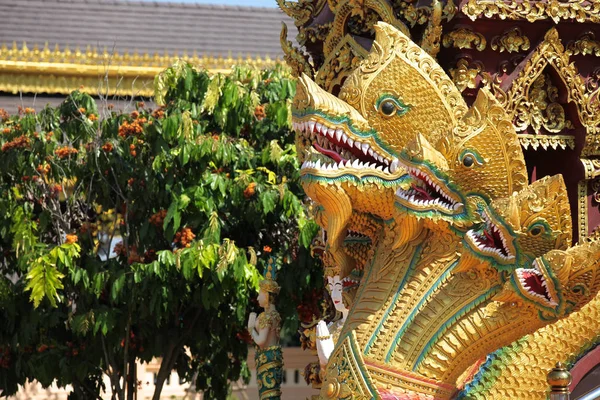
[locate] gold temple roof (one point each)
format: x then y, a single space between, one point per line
116 47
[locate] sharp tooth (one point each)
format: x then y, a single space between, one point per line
331 132
358 145
318 127
344 138
304 164
387 170
318 164
356 163
380 168
341 164
380 158
311 126
394 165
365 148
338 134
457 206
370 151
348 163
350 142
386 161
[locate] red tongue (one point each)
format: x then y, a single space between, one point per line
489 236
535 283
329 153
422 192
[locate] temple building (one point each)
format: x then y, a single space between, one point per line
113 49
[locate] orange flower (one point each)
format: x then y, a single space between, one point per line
65 151
29 110
19 142
134 128
107 147
158 218
135 114
82 110
6 131
267 249
141 104
158 113
184 237
250 190
92 117
71 239
43 169
130 181
259 112
4 115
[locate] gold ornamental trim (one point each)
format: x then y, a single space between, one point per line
108 73
464 38
534 10
511 41
545 141
584 45
408 382
516 99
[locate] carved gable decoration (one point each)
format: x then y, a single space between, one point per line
532 98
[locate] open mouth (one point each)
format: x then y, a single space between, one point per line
340 150
490 240
425 193
534 283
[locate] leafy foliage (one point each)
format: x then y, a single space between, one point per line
142 235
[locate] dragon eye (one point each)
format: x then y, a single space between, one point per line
387 107
537 229
468 161
470 158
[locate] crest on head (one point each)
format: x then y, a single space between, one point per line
269 284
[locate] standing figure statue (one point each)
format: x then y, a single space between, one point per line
342 295
265 333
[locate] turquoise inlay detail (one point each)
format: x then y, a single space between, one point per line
416 256
472 152
364 373
345 120
401 108
452 319
411 317
355 179
547 230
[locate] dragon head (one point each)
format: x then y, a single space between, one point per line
557 283
515 230
349 145
481 157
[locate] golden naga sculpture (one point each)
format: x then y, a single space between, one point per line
462 256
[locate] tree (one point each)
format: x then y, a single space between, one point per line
143 235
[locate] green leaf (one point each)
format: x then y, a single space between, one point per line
44 280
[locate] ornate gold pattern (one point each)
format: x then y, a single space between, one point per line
464 38
518 99
546 141
465 74
511 41
301 11
531 10
430 304
584 45
293 56
541 109
62 71
432 301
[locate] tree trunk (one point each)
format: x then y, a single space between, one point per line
132 380
164 371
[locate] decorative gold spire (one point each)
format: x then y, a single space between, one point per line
269 284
